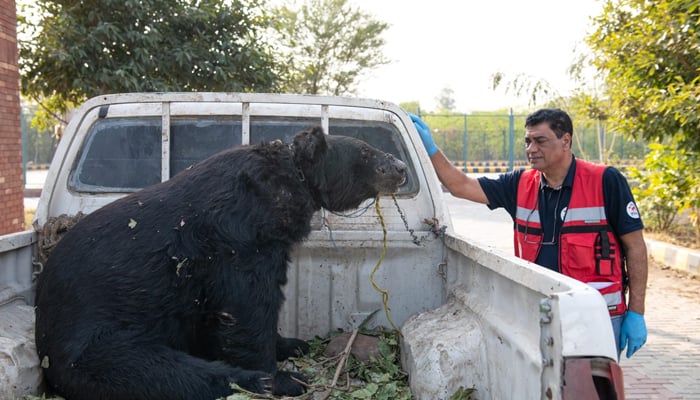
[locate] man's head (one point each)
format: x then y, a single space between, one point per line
558 120
548 134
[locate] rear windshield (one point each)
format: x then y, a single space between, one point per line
125 154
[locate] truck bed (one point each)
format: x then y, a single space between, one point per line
469 316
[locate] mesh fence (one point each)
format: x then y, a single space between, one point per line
495 142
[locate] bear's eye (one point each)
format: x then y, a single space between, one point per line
366 153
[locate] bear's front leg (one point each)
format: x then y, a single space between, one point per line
290 347
253 348
225 336
240 326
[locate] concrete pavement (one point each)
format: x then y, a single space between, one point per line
668 366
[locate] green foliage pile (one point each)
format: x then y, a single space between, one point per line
380 378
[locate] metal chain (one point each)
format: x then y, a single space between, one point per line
438 231
405 222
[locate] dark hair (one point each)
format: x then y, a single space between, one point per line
558 120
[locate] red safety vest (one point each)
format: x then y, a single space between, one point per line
588 249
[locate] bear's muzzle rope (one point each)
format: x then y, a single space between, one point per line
384 292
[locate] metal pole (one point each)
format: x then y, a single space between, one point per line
24 145
464 142
511 162
503 150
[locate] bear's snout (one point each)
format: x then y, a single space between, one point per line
393 173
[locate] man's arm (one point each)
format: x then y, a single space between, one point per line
633 333
458 183
637 269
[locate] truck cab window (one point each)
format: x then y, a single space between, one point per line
124 154
120 155
267 129
195 138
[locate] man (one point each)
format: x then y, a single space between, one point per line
572 216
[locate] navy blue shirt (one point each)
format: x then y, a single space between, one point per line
620 208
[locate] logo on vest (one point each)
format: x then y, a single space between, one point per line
632 210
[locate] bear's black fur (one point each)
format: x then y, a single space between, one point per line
173 292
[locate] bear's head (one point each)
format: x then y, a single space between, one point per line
343 171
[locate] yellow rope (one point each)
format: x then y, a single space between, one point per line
385 293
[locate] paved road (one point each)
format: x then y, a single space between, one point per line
34 181
668 366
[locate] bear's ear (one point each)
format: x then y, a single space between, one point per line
309 145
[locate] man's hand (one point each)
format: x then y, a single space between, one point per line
425 135
633 333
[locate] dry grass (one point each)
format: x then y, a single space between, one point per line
680 235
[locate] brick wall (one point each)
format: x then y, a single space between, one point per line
11 178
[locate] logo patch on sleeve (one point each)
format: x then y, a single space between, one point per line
632 210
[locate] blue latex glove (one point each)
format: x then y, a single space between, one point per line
633 332
425 135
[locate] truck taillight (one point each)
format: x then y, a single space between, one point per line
593 378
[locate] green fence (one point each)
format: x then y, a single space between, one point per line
470 139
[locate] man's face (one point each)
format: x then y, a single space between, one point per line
544 149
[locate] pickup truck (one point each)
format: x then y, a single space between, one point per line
469 316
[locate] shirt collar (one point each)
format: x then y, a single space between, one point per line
568 180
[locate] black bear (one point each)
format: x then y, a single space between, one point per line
174 292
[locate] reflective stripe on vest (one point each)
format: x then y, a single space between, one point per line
585 214
588 249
